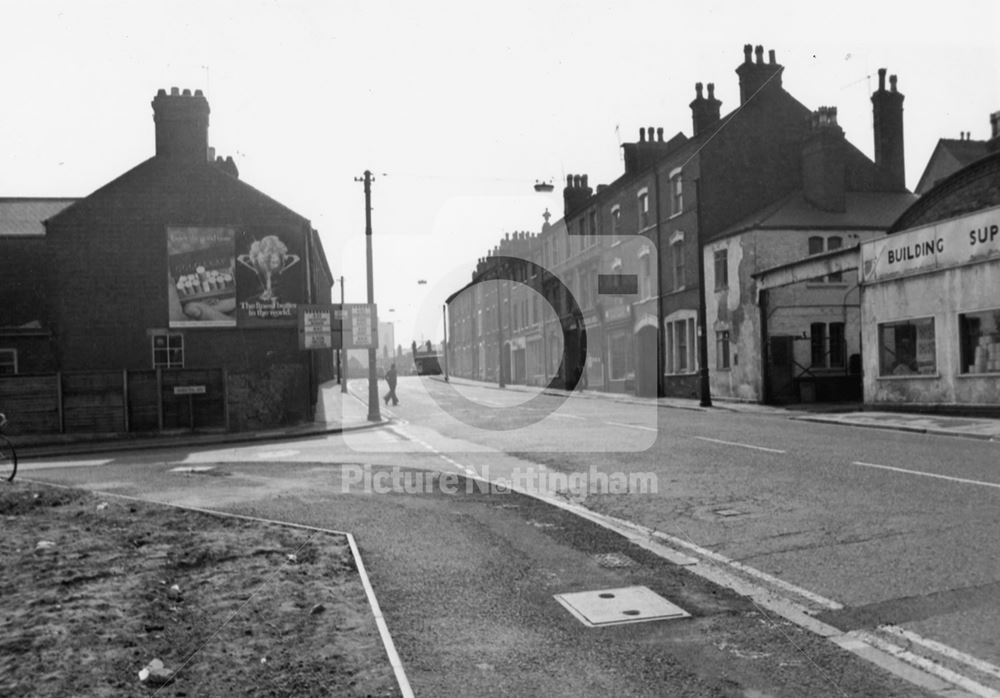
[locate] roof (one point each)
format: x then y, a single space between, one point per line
949 156
23 217
863 210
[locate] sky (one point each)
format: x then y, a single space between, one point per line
457 108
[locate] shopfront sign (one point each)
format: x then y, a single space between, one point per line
971 238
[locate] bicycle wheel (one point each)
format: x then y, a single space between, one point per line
8 459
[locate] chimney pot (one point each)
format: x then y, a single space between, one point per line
186 93
892 83
161 92
881 79
650 130
642 134
569 180
174 92
770 56
747 50
697 89
711 90
583 181
759 53
199 93
659 134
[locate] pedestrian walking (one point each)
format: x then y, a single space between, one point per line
390 378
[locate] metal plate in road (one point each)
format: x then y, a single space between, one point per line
618 606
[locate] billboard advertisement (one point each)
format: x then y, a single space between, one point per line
270 278
226 277
201 283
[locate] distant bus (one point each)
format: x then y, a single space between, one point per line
427 364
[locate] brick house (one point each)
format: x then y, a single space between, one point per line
682 193
178 266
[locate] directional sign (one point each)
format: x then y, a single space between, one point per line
335 326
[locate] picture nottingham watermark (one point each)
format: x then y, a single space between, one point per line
529 480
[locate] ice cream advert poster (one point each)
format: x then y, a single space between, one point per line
270 277
201 281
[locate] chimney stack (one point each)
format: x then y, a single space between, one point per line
887 109
755 76
181 125
704 112
824 162
575 195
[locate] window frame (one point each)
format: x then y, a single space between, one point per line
913 369
722 350
12 362
642 203
970 355
676 192
721 280
167 349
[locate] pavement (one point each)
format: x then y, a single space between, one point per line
335 415
845 414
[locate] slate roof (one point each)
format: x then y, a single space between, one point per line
23 217
863 210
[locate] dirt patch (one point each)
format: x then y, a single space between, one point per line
93 591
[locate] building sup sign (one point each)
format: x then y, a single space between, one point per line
949 243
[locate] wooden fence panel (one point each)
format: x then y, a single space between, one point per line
93 402
31 403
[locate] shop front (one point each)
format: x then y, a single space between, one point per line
931 315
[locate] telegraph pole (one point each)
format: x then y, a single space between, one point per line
373 411
342 353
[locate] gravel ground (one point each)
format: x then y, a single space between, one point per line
95 591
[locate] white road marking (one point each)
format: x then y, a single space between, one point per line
275 455
931 667
742 445
751 571
949 478
944 650
631 426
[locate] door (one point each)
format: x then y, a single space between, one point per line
781 361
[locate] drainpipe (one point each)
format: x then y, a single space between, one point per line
660 349
706 386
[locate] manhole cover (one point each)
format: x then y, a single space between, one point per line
619 606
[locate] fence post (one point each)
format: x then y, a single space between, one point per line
59 402
159 398
225 395
125 399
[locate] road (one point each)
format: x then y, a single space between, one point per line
865 528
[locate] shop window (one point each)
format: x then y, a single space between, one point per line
907 348
722 349
168 350
838 345
980 341
8 362
721 269
817 337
